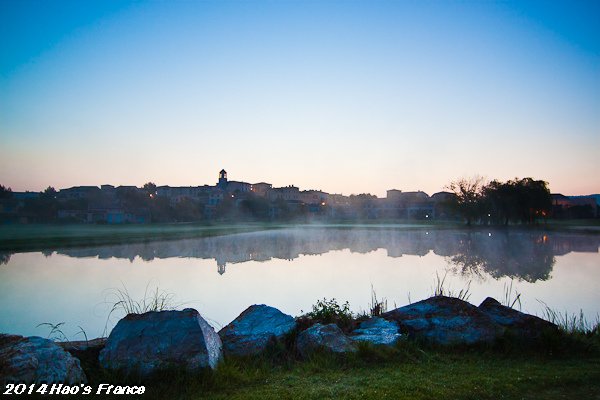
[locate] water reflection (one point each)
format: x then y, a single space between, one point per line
525 255
4 257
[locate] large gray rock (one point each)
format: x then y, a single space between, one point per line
254 328
144 343
323 337
377 331
524 326
446 321
37 360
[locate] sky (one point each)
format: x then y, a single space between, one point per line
343 96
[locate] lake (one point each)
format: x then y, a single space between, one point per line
292 268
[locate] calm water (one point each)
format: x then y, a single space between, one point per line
291 269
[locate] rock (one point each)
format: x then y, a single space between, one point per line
37 360
83 345
445 320
323 337
254 328
524 326
377 331
144 343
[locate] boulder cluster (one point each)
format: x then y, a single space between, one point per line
144 343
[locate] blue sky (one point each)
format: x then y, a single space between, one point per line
344 96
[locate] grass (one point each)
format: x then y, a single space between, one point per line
574 324
512 298
121 302
43 237
377 307
566 365
402 372
55 331
38 237
440 289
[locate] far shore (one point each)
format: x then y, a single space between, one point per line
39 237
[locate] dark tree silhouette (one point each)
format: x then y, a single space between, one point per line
150 188
468 197
5 193
519 200
49 194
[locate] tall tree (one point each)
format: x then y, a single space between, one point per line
534 200
49 193
150 188
468 197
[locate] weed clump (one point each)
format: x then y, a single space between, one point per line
328 312
123 303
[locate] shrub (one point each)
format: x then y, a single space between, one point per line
328 312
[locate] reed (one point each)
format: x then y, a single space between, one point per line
441 289
571 323
121 301
511 297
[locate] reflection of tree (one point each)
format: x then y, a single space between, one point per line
467 264
527 256
4 258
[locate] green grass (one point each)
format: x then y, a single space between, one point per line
37 237
560 365
404 372
42 237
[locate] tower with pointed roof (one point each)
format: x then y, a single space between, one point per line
222 180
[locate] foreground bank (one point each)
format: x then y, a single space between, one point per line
441 346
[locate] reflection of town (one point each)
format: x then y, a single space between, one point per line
527 255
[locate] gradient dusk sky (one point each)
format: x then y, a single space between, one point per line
342 96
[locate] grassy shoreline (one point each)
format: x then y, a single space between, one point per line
42 237
406 371
20 238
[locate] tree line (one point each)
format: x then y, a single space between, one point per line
525 201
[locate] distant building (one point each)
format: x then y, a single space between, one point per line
78 192
222 183
406 205
232 186
394 194
313 197
261 189
25 195
287 193
118 215
177 194
441 201
574 206
440 197
235 186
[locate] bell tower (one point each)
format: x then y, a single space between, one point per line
222 179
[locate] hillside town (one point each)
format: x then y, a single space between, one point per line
238 200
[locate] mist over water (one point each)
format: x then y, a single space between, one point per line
292 268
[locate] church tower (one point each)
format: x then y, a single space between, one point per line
222 180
